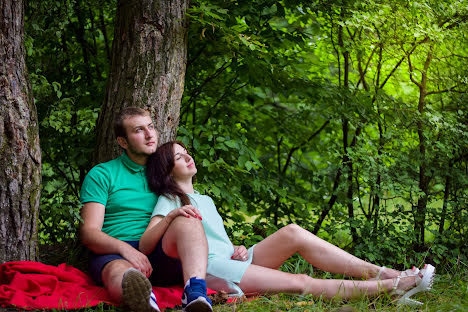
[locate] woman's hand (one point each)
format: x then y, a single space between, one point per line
185 211
240 253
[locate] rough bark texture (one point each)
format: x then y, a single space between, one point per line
149 56
20 165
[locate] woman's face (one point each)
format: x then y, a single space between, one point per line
184 166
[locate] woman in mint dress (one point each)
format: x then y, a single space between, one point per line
238 270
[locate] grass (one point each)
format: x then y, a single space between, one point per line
446 296
450 293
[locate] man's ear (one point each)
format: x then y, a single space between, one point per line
122 142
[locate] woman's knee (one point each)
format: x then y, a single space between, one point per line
185 224
292 231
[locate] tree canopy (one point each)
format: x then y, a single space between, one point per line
346 117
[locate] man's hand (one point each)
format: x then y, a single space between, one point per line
137 259
94 238
240 253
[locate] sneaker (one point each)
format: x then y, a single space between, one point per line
194 298
137 292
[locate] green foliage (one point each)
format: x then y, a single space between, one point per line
296 111
271 77
66 45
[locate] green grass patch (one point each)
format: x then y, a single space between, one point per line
450 293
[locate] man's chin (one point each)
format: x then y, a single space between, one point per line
150 151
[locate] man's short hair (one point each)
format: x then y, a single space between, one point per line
126 112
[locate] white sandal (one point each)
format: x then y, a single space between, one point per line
422 284
410 272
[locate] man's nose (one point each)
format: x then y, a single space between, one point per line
149 133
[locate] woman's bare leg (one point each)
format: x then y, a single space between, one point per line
259 280
281 245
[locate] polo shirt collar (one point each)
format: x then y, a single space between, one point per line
130 164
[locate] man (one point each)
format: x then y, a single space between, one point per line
117 207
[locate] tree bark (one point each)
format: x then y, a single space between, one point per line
149 56
20 165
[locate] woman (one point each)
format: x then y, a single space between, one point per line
170 172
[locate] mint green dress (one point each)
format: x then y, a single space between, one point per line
222 272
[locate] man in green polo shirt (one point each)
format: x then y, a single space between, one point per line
117 207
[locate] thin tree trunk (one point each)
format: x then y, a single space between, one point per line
420 217
80 36
446 198
331 202
345 127
104 33
149 56
378 182
20 165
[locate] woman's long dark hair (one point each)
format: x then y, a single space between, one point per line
158 173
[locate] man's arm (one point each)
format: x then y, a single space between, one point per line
97 241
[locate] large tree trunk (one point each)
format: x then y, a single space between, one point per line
20 165
149 56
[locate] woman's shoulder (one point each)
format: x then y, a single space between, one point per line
202 197
166 199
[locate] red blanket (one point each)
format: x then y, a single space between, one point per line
33 285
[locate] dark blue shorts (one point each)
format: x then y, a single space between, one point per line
167 271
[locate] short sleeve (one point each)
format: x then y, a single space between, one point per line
95 186
164 206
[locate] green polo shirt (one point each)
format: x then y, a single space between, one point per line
120 185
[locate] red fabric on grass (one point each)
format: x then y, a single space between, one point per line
33 285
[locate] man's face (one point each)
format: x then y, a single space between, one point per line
142 138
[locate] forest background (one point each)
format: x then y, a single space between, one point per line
348 118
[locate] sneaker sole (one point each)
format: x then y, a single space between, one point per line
136 291
198 305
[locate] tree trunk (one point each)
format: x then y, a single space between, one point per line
424 179
149 56
345 128
446 198
20 165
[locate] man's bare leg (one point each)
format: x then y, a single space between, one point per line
135 290
112 275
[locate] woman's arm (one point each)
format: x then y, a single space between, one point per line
159 224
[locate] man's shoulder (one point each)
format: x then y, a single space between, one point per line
99 180
106 167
